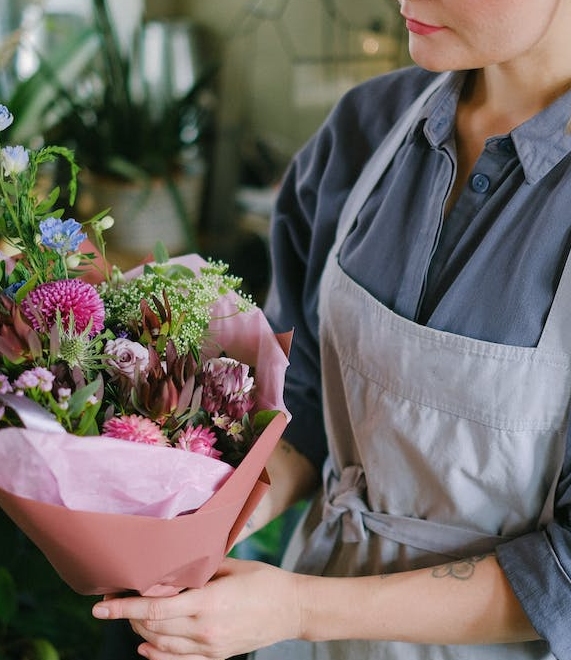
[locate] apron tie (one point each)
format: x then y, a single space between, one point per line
344 503
346 514
343 509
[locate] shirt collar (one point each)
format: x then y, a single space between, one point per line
541 142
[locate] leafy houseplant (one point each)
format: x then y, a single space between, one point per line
101 101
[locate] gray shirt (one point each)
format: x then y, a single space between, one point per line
489 271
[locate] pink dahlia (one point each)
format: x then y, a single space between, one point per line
199 440
40 306
134 428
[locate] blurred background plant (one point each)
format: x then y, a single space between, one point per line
133 97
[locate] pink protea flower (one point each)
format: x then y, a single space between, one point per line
199 440
40 306
227 387
134 428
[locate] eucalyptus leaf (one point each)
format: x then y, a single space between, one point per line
45 205
160 253
26 288
78 400
88 425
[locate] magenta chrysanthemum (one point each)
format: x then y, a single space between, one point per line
134 428
199 440
40 306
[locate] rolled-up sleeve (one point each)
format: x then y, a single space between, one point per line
538 567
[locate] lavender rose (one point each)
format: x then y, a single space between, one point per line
126 355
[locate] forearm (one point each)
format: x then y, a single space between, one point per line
250 605
293 478
468 602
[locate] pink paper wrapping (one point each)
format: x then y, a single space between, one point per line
99 552
122 476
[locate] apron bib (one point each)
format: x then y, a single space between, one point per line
441 446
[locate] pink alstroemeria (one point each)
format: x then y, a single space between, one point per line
5 386
36 377
199 440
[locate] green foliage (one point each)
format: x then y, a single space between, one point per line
41 618
177 303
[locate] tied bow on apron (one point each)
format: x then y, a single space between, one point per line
346 515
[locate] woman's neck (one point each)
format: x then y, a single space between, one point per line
502 97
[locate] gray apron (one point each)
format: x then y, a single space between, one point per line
441 446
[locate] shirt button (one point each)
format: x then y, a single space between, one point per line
480 183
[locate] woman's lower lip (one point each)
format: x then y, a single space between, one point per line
421 28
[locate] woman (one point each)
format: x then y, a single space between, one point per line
430 294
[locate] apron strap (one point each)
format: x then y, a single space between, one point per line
380 160
347 517
556 335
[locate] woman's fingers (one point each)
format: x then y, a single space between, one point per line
245 606
148 651
172 644
181 626
135 607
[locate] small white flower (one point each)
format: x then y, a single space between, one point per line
15 160
105 223
117 276
73 260
6 117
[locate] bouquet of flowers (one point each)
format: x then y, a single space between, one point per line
137 410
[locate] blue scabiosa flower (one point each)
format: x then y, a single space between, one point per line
6 117
61 236
11 290
15 160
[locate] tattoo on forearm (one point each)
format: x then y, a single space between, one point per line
460 570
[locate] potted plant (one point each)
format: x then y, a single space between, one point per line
137 117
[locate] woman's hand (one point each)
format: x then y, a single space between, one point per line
247 605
